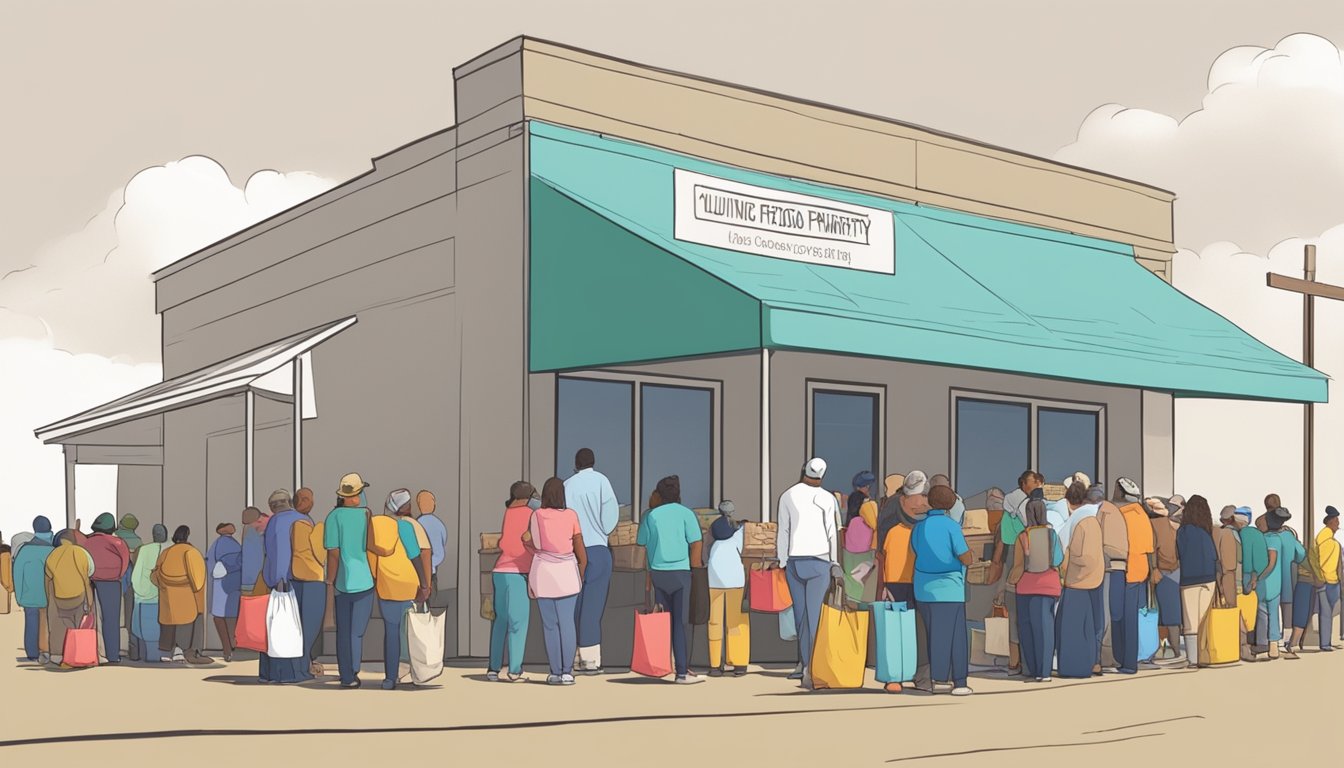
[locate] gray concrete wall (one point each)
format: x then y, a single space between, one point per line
140 493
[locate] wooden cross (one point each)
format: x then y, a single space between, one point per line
1309 289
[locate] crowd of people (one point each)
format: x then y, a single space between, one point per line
1072 574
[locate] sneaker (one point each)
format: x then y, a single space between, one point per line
1328 649
492 677
1110 671
716 672
1045 680
555 680
352 685
591 671
739 671
962 690
44 659
178 657
688 679
566 679
942 687
1123 671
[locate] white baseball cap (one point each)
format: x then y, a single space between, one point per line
815 469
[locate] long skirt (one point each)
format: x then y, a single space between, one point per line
1076 633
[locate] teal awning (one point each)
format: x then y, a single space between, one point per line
611 285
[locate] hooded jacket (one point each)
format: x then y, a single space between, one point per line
30 563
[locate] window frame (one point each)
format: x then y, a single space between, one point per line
815 386
638 380
1036 405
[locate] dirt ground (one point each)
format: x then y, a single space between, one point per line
127 715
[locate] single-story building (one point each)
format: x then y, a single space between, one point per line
689 277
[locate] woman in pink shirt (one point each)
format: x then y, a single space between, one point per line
512 605
557 577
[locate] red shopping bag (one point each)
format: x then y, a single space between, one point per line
653 644
251 631
81 645
769 591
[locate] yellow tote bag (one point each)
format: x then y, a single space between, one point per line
1247 605
1220 635
841 650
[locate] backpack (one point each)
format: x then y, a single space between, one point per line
1038 548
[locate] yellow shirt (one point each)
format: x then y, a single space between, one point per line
69 567
1328 550
898 566
393 574
308 559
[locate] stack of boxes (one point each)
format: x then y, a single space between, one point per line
758 541
625 554
489 553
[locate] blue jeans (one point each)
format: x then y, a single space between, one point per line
557 628
809 578
672 590
949 651
593 599
352 619
513 610
312 597
394 617
1036 628
1326 600
109 616
1268 622
32 629
1126 599
145 623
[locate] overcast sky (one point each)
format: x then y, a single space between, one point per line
241 108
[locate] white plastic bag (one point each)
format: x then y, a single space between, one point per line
424 634
996 636
284 631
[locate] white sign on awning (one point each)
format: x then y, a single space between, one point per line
782 225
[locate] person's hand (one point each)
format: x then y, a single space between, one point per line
995 572
1255 581
837 573
1156 577
886 596
422 594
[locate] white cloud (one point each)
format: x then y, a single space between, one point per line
78 326
1260 161
92 289
42 385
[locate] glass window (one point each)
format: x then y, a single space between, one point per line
1066 442
993 445
597 415
844 435
677 438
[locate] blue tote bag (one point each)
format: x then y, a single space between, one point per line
1148 640
897 651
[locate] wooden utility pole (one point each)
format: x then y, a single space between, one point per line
1309 289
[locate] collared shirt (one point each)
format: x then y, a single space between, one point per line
807 524
939 575
1254 553
1328 555
346 530
588 492
1291 553
725 562
438 539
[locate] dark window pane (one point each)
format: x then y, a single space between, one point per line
678 439
844 435
1067 443
597 415
993 445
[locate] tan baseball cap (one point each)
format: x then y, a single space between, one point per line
351 485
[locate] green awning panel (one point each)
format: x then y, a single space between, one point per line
967 291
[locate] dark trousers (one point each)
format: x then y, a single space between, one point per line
1076 631
188 637
949 651
672 590
394 618
1126 599
312 596
1036 630
1326 600
353 611
108 594
593 597
32 633
127 614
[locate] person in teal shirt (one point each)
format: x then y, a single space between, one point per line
941 557
1290 553
670 533
345 537
1269 584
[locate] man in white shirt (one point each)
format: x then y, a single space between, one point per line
589 493
807 551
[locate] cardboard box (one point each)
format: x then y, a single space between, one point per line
1053 492
976 521
488 560
490 541
760 535
978 573
487 583
629 557
626 534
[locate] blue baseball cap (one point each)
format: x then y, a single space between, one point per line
864 479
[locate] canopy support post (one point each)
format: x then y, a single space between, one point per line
249 399
765 435
298 423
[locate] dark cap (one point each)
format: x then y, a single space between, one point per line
1282 513
1331 512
